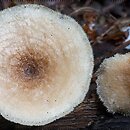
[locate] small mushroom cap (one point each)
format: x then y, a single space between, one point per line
113 83
46 64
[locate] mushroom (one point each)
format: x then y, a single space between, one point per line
113 83
46 64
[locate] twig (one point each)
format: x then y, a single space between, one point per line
82 10
88 2
118 25
111 6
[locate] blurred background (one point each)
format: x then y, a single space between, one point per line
107 24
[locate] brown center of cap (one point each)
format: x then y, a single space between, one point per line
31 67
29 70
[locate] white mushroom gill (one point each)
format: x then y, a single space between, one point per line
114 83
46 64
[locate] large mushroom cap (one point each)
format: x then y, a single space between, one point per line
46 64
114 83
